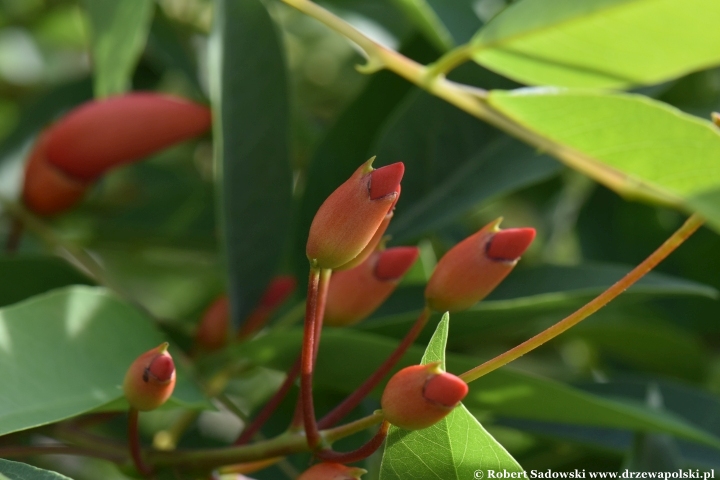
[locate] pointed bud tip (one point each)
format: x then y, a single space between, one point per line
509 244
395 262
162 368
445 389
386 180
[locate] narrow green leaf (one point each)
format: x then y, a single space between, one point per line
20 471
454 448
118 31
35 274
600 43
67 352
252 153
427 21
634 145
507 392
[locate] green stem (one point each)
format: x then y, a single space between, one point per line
448 62
32 450
675 240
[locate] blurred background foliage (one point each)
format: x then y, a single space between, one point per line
153 227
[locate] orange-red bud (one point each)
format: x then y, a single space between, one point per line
349 218
354 294
102 134
332 471
213 331
419 396
475 266
150 380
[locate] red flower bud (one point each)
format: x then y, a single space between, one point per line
279 289
150 380
475 266
354 294
332 471
102 134
419 396
349 218
213 331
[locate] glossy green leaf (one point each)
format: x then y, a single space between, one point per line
118 31
454 448
251 132
20 471
540 294
634 145
600 43
66 353
507 392
35 274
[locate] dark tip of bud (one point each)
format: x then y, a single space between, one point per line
386 180
509 244
161 368
278 290
445 389
394 262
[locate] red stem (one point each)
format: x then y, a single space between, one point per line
272 405
358 454
354 399
134 443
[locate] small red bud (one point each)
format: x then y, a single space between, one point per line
213 331
419 396
150 380
349 218
474 267
332 471
356 293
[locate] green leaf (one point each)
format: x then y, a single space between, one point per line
35 274
426 20
252 152
545 294
118 31
454 448
66 353
600 43
634 145
21 471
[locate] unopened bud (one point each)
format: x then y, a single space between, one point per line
419 396
356 293
332 471
474 267
150 380
349 218
213 331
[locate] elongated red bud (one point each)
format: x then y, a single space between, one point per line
356 293
279 289
102 134
475 266
349 218
419 396
332 471
213 331
150 380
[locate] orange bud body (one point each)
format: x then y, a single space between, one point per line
102 134
419 396
467 274
331 471
150 380
349 218
356 293
213 331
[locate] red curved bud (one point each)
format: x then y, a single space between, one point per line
509 244
332 471
213 331
415 397
349 218
101 134
356 293
150 380
475 266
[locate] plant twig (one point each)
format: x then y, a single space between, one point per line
134 443
360 453
675 240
